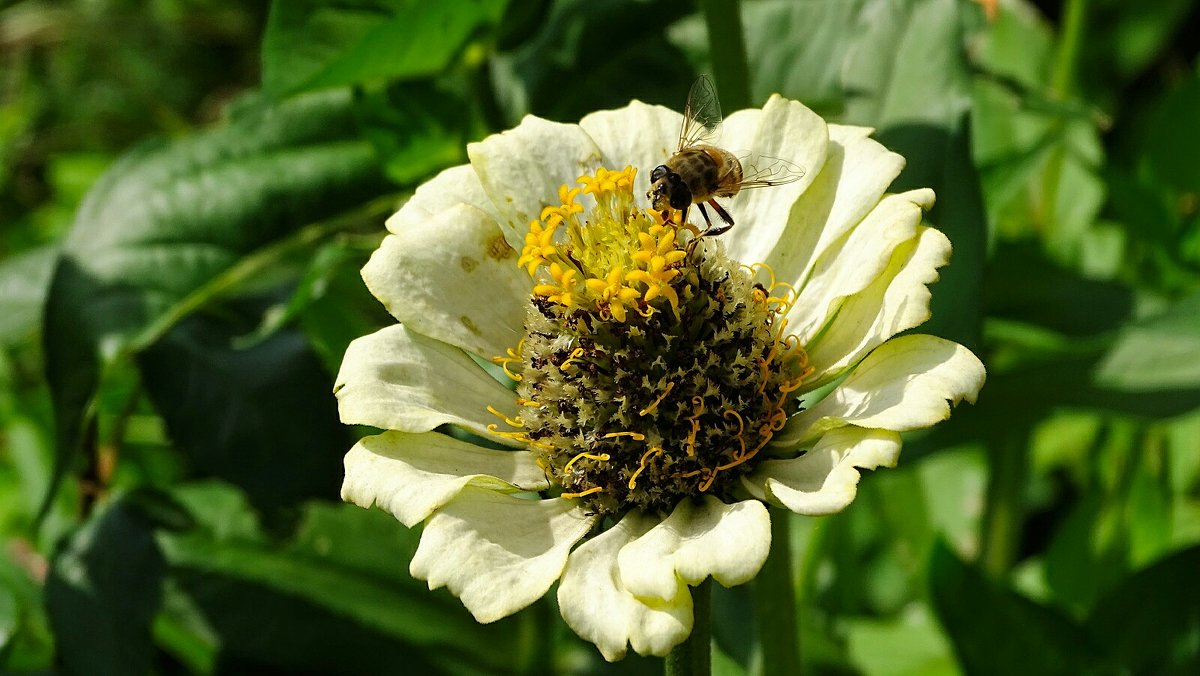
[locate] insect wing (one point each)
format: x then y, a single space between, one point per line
761 171
702 115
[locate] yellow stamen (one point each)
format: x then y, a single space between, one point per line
575 355
654 451
511 422
654 404
580 494
636 436
602 457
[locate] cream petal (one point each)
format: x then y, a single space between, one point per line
825 479
785 130
728 542
905 384
639 134
896 301
453 277
521 169
856 173
411 475
495 552
397 379
851 265
452 187
597 606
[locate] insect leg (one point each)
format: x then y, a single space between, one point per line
707 220
724 216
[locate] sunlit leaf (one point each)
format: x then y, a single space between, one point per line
312 45
169 218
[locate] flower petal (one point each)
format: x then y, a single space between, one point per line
522 168
825 479
450 188
785 130
495 552
639 134
411 475
597 606
851 265
397 379
453 277
905 384
856 173
897 300
728 542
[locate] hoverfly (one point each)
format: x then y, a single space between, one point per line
699 172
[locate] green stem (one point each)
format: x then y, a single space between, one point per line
1062 81
727 47
775 601
1008 460
693 657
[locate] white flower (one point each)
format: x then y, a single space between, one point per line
662 397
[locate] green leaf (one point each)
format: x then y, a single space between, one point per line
1171 138
593 55
1157 354
24 280
1024 285
311 44
154 237
1151 622
103 589
269 425
808 70
336 596
996 631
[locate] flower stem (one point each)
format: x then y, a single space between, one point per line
1066 61
727 47
693 657
775 601
1002 516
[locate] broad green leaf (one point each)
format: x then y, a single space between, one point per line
336 596
996 631
103 589
909 645
906 75
269 425
24 280
1151 622
1026 286
311 44
808 69
1157 354
173 224
590 56
1173 141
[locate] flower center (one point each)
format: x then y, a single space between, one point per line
649 373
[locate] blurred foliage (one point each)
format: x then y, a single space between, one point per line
187 191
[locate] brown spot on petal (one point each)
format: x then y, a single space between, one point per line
466 321
468 264
499 249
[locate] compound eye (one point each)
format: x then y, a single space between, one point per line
681 196
659 172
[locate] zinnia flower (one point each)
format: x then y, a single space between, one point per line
651 396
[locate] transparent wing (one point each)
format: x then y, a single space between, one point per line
760 171
702 115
